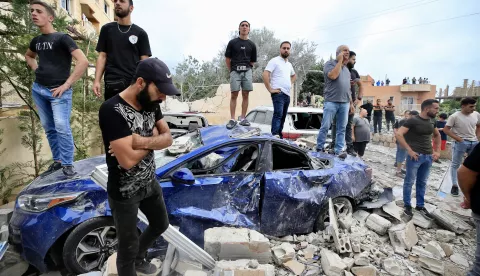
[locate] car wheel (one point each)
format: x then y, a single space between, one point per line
343 207
89 245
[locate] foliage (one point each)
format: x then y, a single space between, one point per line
314 81
449 106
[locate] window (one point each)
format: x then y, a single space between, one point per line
105 7
287 158
260 118
307 120
365 99
269 117
251 116
407 103
66 5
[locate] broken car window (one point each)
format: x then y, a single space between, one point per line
285 158
307 120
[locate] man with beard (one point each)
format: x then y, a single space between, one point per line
278 78
416 137
389 114
52 89
133 127
120 46
240 55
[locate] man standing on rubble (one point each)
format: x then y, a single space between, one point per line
416 137
337 100
133 127
120 46
52 89
469 181
240 56
278 78
464 127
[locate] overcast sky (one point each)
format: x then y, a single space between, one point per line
446 52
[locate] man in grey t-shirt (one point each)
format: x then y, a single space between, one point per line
360 132
464 127
337 100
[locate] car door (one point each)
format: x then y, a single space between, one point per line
226 191
292 192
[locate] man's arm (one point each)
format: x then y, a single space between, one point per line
126 156
293 78
99 70
360 91
30 57
335 72
80 68
477 132
448 130
162 140
401 140
228 61
437 138
466 180
266 81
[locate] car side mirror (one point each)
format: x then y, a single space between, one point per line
182 176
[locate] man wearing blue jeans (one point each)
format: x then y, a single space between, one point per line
278 78
464 127
337 100
469 180
416 137
51 91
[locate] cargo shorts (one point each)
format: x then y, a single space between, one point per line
241 80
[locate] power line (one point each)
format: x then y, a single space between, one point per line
402 28
375 14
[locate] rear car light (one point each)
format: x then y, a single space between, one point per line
291 136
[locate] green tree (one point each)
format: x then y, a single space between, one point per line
315 80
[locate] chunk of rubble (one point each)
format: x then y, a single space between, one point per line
447 248
283 253
364 270
435 248
185 265
346 222
342 242
432 264
403 235
378 224
224 243
459 259
314 239
393 210
393 267
313 271
362 259
240 267
332 264
444 235
361 216
422 221
348 273
195 273
450 221
294 266
349 262
309 251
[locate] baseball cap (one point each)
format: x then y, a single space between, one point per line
156 71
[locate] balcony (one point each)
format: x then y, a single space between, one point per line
88 28
415 88
94 12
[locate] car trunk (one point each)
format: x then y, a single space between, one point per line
302 125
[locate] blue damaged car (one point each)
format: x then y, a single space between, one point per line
210 177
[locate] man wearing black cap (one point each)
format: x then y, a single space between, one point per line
132 128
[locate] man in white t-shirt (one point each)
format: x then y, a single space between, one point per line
464 127
278 78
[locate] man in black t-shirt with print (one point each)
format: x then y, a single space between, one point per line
133 127
52 89
121 45
469 181
416 137
240 55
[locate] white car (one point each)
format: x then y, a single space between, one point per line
183 122
301 122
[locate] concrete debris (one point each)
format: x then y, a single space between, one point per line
355 247
444 235
349 262
344 245
447 248
253 264
364 270
301 246
112 265
393 210
421 221
378 224
435 248
283 253
287 239
346 222
332 264
348 273
5 216
451 221
4 233
393 267
419 251
313 271
309 251
403 235
314 239
362 259
240 267
185 265
294 266
224 243
195 273
361 216
459 259
432 264
328 234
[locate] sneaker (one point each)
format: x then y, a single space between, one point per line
341 155
408 211
400 174
351 152
245 122
145 268
52 168
231 124
422 211
454 191
69 171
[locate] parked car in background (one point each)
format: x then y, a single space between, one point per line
181 122
301 122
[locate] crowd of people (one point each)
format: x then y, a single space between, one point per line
420 80
132 123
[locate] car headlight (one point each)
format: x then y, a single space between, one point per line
39 203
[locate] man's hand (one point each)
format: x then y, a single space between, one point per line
97 89
466 203
137 142
58 92
274 91
340 57
413 155
352 109
355 103
460 140
436 155
110 150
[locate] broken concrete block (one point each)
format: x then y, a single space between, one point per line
309 251
344 245
348 273
386 144
302 245
349 262
355 247
447 248
459 259
376 137
393 210
4 233
378 224
421 221
364 270
435 248
331 263
393 267
432 264
253 264
444 235
346 222
362 259
224 243
295 267
450 221
240 267
112 265
195 273
313 238
184 265
287 239
393 145
328 234
403 235
361 216
313 271
283 253
419 251
5 216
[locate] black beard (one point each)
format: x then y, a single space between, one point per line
144 100
122 13
285 55
431 115
350 65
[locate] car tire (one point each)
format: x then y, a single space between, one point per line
343 207
79 251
